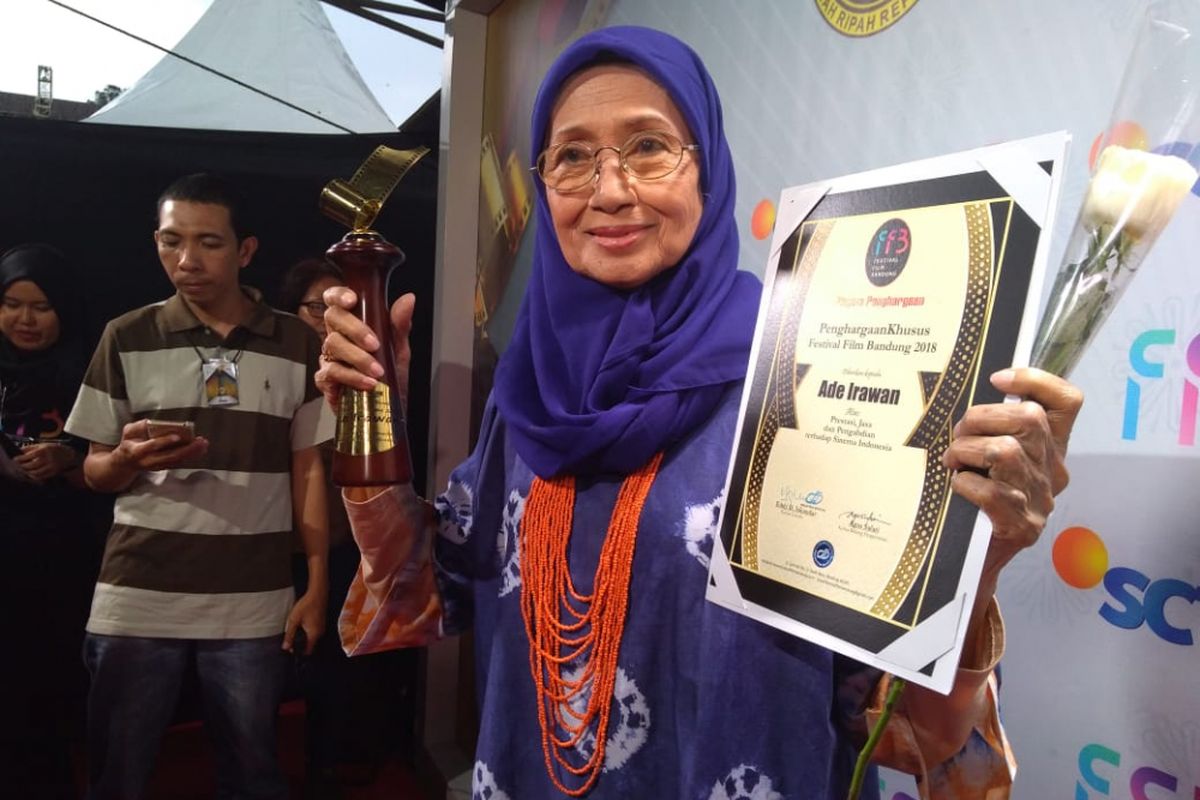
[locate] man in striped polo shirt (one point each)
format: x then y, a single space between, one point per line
197 566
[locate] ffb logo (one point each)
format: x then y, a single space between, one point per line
1147 361
1097 765
888 252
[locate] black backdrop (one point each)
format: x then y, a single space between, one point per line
90 189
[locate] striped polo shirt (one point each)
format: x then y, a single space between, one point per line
202 551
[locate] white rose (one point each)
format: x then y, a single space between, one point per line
1136 191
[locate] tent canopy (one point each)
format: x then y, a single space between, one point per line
285 48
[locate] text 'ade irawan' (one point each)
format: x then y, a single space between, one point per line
836 390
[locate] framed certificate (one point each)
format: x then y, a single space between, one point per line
889 298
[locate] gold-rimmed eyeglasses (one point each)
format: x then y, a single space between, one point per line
646 155
314 307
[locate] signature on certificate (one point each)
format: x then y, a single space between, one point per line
869 523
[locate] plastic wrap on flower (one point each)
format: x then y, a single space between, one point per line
1130 200
1133 192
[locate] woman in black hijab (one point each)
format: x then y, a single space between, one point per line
41 363
48 545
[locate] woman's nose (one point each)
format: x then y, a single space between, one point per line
612 182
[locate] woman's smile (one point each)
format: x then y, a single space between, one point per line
619 237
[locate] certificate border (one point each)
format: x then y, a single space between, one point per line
1013 268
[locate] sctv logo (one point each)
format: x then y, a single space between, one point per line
1146 360
1096 761
1134 599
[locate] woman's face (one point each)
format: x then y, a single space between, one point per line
308 310
27 319
618 230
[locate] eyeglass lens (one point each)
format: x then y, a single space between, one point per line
646 155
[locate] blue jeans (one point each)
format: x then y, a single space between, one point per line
134 690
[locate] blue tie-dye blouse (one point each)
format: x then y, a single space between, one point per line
708 704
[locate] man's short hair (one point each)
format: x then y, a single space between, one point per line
203 187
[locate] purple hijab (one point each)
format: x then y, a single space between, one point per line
597 379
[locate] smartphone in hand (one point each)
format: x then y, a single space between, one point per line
12 446
186 431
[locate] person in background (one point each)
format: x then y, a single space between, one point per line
49 541
350 704
303 287
197 569
603 671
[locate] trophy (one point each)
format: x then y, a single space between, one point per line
371 442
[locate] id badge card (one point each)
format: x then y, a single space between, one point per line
220 381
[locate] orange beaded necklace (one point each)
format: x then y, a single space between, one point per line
565 627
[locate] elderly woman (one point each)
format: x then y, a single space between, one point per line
49 525
603 671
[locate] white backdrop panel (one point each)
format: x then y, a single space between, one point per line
1094 709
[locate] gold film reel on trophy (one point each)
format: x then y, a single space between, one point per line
357 202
